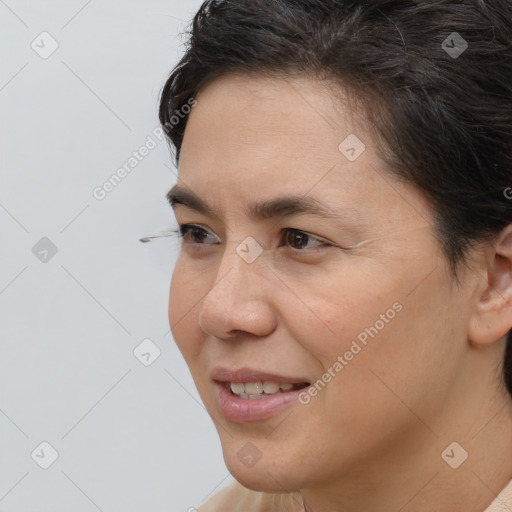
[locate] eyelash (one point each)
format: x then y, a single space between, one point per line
185 229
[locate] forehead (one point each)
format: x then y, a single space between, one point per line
295 116
251 138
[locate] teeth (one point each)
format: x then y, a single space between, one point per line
270 387
237 387
259 389
253 388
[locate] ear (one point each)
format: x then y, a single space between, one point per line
492 315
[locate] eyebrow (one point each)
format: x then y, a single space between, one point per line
285 206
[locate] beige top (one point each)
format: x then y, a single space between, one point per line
236 498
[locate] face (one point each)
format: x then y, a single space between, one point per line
350 301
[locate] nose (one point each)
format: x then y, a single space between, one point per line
238 300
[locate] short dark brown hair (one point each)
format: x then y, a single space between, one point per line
435 76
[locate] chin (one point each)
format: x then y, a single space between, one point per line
264 475
259 480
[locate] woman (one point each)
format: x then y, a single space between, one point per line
343 293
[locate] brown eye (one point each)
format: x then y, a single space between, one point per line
194 234
299 239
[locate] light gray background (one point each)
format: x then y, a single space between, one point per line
129 437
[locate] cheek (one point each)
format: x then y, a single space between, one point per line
410 359
334 312
177 297
185 293
352 325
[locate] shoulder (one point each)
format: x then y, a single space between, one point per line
503 502
237 498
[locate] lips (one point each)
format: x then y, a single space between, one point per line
221 374
243 407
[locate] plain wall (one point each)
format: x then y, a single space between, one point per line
78 292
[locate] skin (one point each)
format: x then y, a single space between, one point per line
372 439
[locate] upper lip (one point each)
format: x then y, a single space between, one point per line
245 374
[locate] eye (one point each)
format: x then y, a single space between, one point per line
195 233
294 238
300 240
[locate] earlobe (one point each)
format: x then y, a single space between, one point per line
492 316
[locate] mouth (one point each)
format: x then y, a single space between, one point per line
248 395
262 389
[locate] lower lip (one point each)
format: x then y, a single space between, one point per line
245 410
